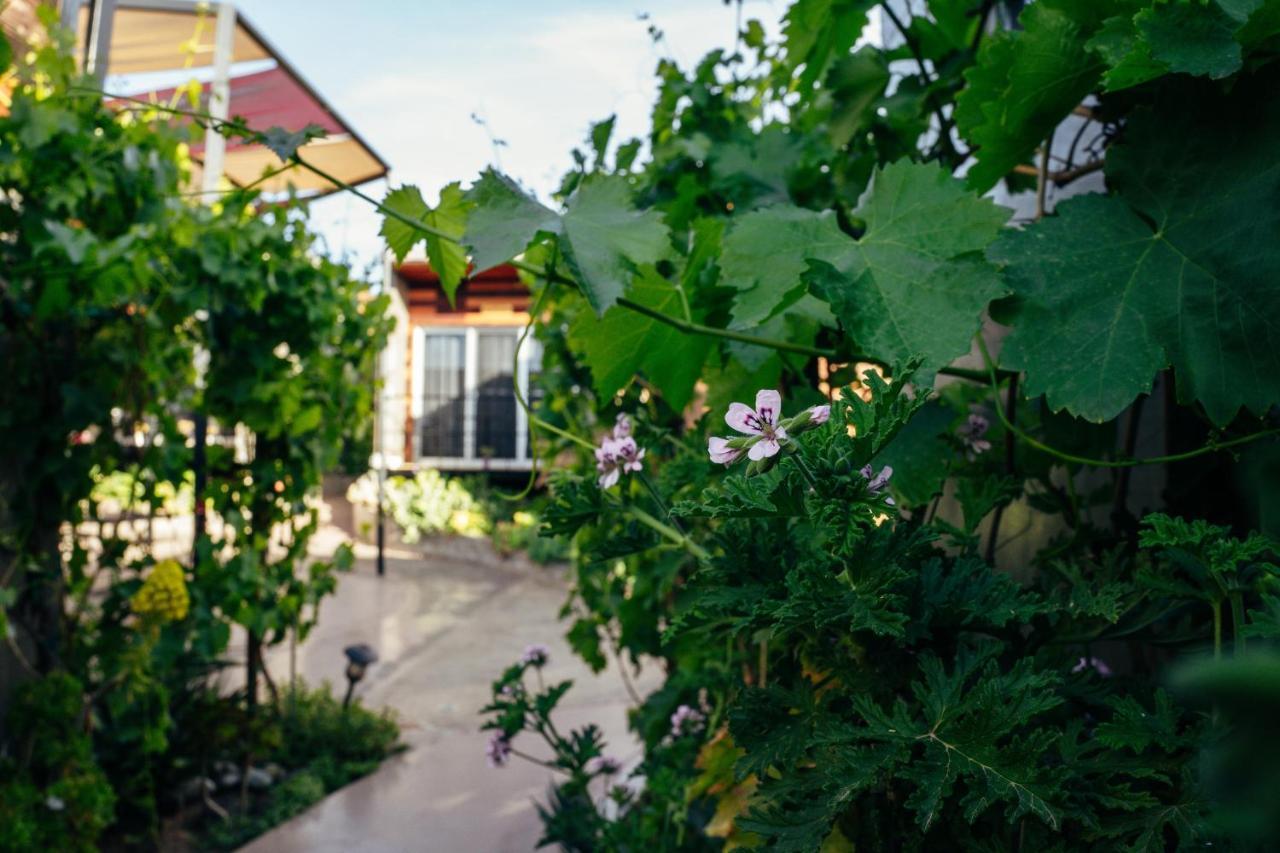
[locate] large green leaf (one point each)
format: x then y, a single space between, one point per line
764 255
400 235
1022 85
916 283
1192 38
815 31
623 343
447 255
1177 268
504 221
604 237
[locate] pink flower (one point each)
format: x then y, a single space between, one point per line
622 426
601 765
971 434
721 452
498 749
1097 665
876 483
762 421
536 655
819 415
615 456
687 721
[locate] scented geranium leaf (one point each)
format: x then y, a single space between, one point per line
400 235
1176 268
972 732
623 343
447 255
1022 85
764 255
604 238
505 220
916 283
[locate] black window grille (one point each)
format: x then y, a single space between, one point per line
442 429
495 427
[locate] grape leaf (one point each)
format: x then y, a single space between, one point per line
1175 269
401 236
1021 86
285 143
1192 38
448 256
1129 56
623 343
505 219
814 31
915 284
764 255
604 236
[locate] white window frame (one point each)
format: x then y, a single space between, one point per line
471 350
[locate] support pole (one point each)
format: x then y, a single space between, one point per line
98 45
215 144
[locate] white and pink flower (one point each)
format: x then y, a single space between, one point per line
616 456
761 423
877 483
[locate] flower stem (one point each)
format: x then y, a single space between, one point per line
1237 623
1217 630
669 532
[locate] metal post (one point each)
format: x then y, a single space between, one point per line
215 144
380 462
98 45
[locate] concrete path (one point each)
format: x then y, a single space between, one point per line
446 619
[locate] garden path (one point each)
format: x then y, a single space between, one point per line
445 620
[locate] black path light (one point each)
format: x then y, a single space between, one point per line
359 657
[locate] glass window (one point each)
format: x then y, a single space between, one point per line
495 427
442 427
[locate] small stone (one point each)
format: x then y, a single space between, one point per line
196 787
258 779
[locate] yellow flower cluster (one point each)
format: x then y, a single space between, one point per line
164 593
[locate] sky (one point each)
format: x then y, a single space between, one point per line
409 74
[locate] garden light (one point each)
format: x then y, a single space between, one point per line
359 657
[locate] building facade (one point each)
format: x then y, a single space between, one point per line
450 372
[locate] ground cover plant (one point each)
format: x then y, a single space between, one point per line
128 313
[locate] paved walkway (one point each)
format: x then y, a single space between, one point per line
445 625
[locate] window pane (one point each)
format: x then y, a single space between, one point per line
443 387
495 398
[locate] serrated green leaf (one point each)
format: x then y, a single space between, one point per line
623 343
855 83
401 236
448 256
1021 86
764 255
1192 38
1175 269
504 220
605 238
815 31
1127 54
915 284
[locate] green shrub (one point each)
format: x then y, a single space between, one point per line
53 797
